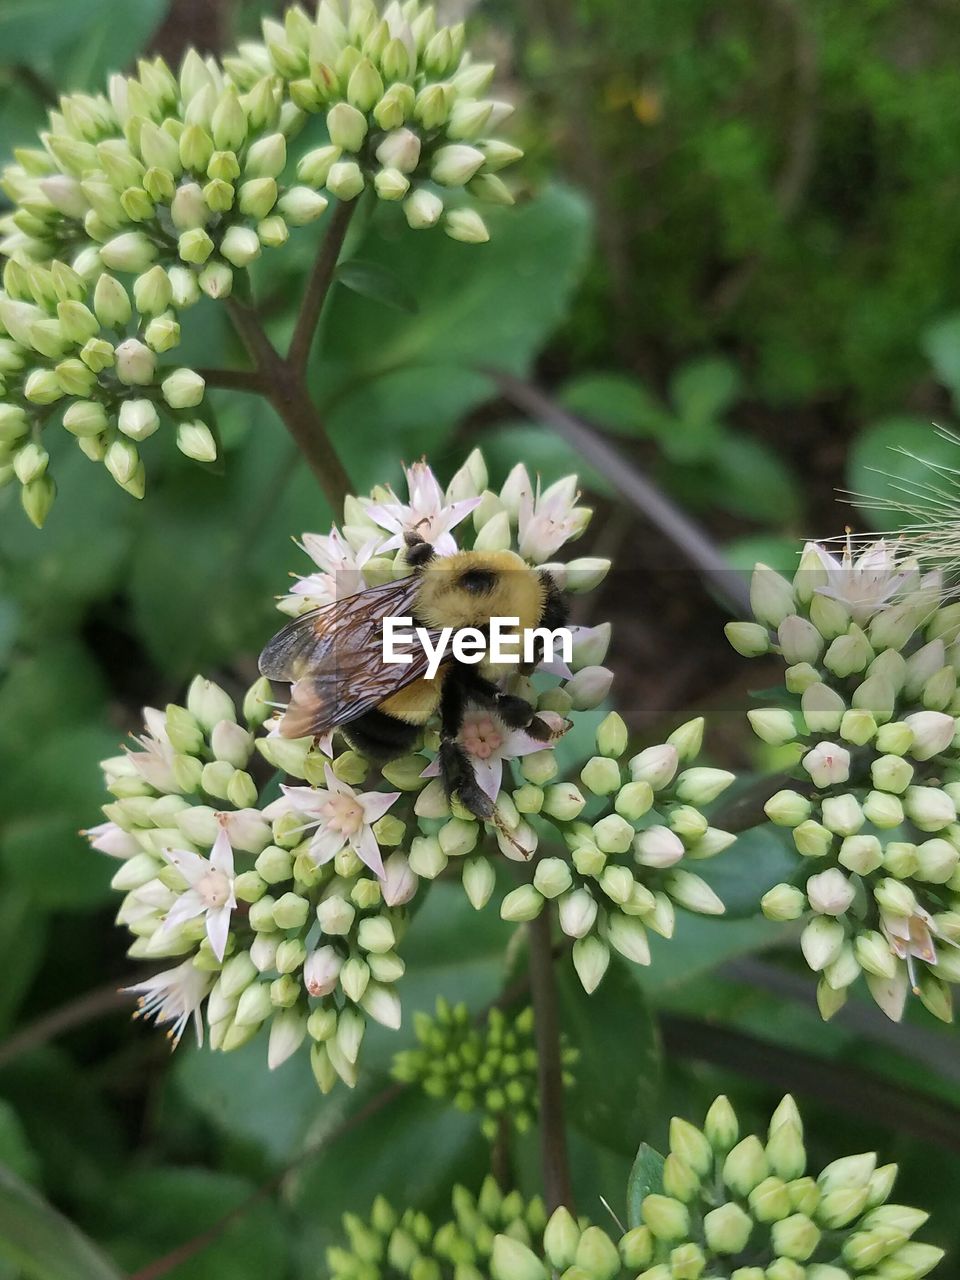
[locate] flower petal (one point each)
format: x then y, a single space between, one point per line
376 803
190 865
325 845
364 844
221 855
218 927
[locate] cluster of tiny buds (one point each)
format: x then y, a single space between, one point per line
729 1206
748 1209
488 1065
628 866
182 180
868 726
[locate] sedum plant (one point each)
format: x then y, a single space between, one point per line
142 202
868 718
269 881
285 902
720 1205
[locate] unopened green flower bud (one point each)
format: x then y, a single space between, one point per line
749 639
521 904
694 893
727 1229
467 226
721 1127
783 902
770 1200
195 246
667 1218
601 776
821 941
746 1166
795 1237
195 440
37 498
132 251
422 209
771 596
345 180
512 1260
479 880
613 834
552 877
787 808
842 815
634 800
591 958
773 725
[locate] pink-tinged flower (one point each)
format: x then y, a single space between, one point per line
911 938
340 571
341 816
827 764
155 762
323 742
488 742
112 840
175 996
863 583
425 513
549 519
210 892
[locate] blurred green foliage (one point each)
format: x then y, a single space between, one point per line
770 191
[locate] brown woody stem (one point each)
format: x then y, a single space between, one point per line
553 1135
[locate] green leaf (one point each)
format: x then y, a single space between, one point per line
118 30
781 553
617 1073
15 1149
246 1102
614 402
699 944
941 345
154 1210
751 480
23 937
477 304
703 390
46 799
646 1178
375 281
412 1151
41 1241
741 875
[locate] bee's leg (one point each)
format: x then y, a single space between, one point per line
456 771
515 712
419 552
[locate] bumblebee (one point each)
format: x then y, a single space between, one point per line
332 658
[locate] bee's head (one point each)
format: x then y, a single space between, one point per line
469 588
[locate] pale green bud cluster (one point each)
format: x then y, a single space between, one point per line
76 349
491 1236
311 952
628 866
142 200
868 726
407 111
748 1208
488 1066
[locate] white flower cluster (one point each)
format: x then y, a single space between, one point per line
868 721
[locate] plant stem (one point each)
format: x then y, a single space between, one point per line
234 380
318 286
553 1135
286 389
693 541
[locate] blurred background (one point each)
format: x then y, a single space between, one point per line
737 257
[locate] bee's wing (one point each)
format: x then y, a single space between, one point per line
333 657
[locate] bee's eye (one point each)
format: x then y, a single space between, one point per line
479 582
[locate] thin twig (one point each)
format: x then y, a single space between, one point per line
687 535
86 1008
553 1135
287 391
196 1244
318 285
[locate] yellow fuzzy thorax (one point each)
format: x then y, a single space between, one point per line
518 591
